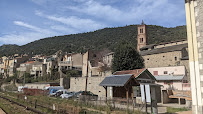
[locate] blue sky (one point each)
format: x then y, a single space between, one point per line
23 21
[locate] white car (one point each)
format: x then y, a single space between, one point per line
67 95
59 92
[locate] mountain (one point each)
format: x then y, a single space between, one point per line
99 39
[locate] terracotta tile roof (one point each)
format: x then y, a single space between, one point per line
29 62
135 72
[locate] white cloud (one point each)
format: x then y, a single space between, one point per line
158 12
98 10
21 38
20 23
59 17
74 22
24 37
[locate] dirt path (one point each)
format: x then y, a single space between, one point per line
185 112
1 111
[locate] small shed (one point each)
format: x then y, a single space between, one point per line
121 83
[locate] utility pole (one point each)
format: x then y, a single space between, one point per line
24 80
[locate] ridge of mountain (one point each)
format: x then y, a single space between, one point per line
99 39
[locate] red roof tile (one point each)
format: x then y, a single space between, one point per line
29 62
135 72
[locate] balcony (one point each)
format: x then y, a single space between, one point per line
65 63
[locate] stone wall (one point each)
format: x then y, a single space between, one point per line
162 59
167 59
77 60
79 83
186 64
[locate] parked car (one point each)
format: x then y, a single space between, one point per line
53 89
86 95
59 92
67 95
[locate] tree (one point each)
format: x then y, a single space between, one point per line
126 57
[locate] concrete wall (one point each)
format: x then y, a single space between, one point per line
36 86
175 70
85 64
194 19
176 85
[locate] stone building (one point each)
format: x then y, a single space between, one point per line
141 36
166 54
51 64
95 66
9 64
71 61
97 63
25 68
38 69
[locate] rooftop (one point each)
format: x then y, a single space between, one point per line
135 72
116 80
164 49
169 77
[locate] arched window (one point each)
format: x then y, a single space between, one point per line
175 58
141 40
141 30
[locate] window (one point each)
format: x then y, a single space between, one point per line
165 72
175 58
141 40
136 91
155 73
141 30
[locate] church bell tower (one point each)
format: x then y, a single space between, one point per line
141 36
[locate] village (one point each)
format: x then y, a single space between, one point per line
165 78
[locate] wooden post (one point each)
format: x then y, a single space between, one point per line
36 103
127 94
106 92
86 84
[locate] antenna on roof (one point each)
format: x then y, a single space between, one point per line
142 22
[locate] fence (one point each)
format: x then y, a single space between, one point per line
112 103
101 104
73 105
47 106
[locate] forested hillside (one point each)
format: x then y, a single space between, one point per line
99 39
